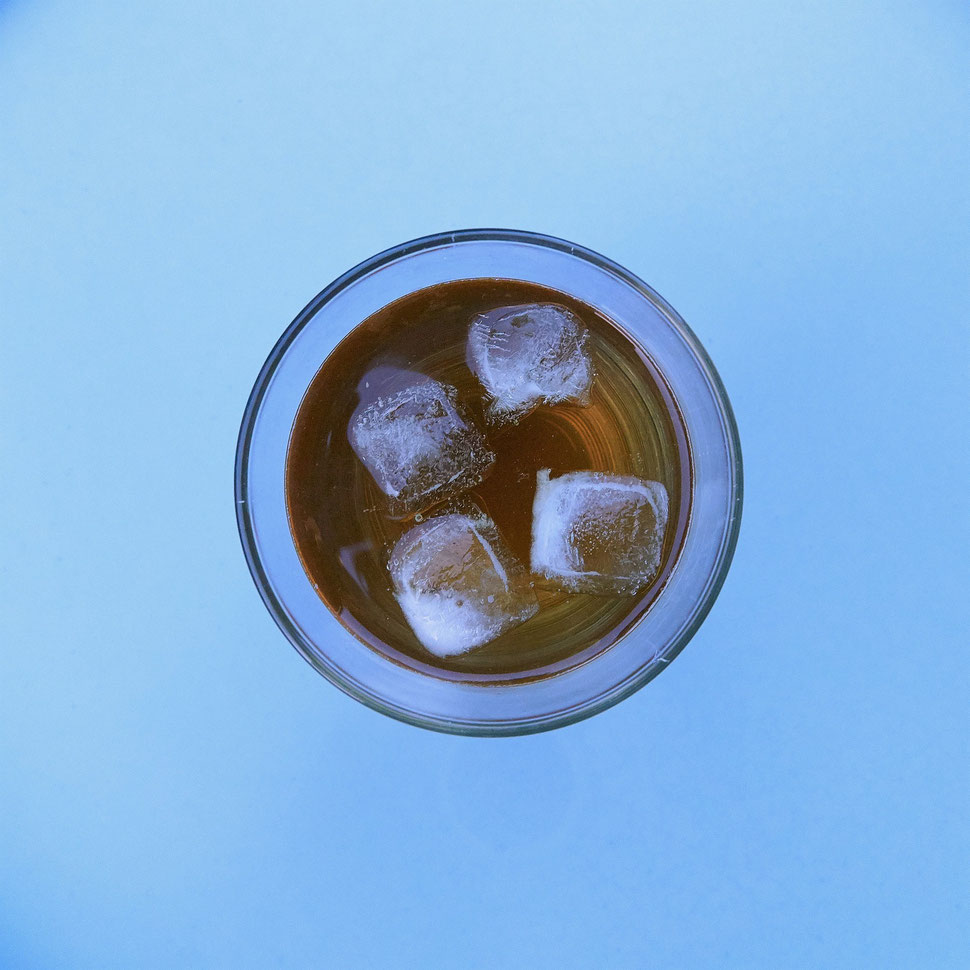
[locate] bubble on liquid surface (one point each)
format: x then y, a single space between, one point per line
528 355
457 584
597 533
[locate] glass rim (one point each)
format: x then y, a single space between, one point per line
513 726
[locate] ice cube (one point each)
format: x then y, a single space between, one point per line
417 444
458 584
597 533
529 355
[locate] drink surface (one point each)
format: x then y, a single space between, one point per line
345 527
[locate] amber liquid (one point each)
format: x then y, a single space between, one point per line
341 522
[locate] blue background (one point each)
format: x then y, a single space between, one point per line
178 788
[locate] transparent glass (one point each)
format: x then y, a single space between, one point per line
423 699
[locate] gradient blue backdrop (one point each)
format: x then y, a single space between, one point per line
179 789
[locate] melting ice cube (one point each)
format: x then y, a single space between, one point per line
416 443
458 584
529 355
597 533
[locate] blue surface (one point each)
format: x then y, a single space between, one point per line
178 788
